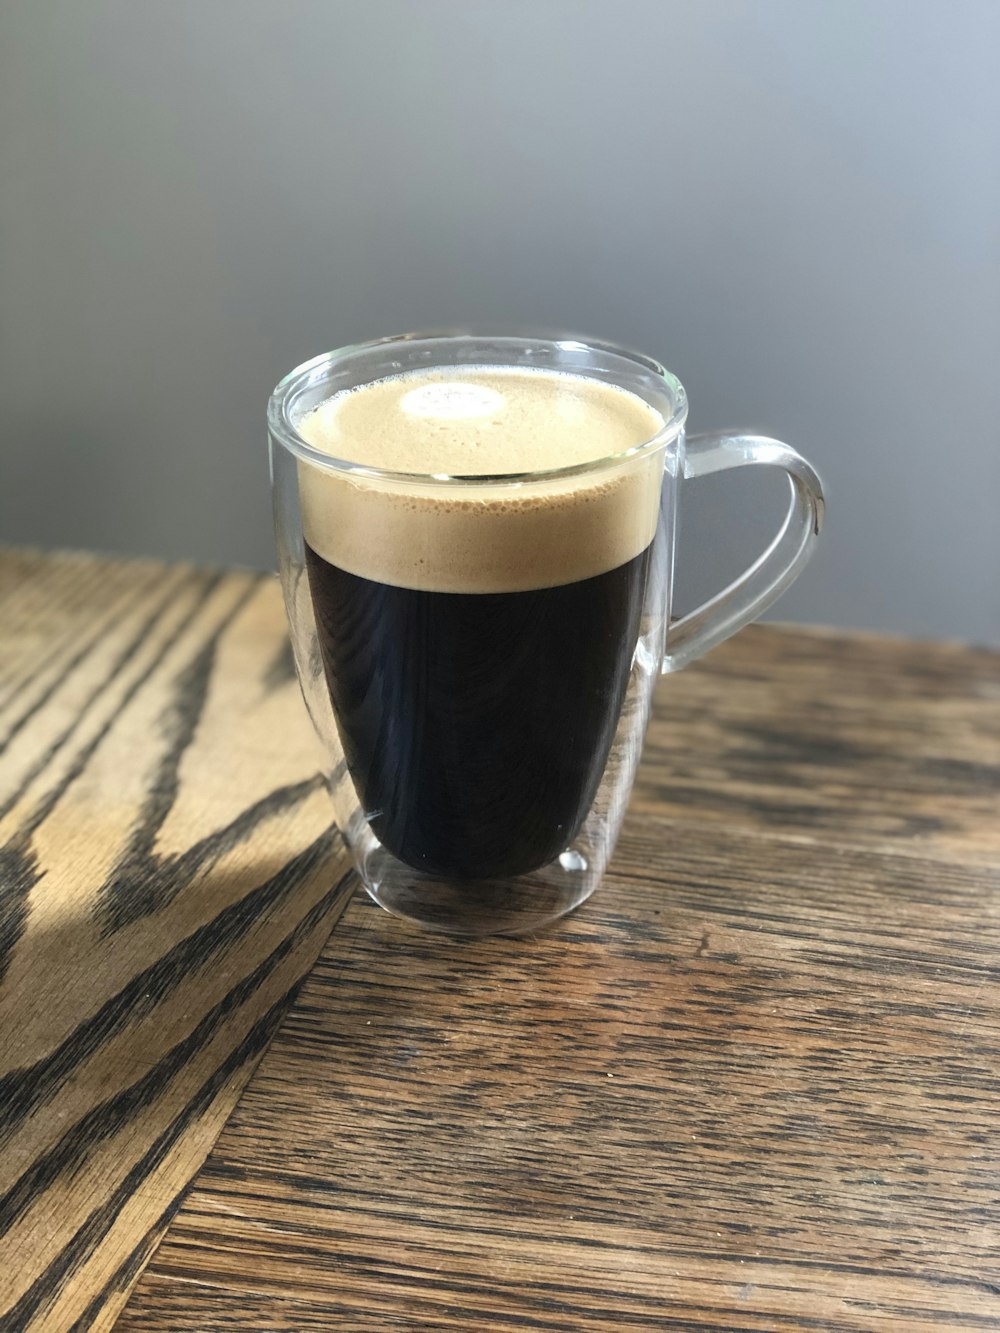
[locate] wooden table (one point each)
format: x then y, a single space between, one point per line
752 1084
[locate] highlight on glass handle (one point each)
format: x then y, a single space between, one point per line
773 571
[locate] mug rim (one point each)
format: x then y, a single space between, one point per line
282 400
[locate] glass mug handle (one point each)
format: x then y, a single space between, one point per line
777 567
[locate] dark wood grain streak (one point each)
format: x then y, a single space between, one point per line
22 584
53 677
24 1089
23 869
753 1084
168 872
105 1119
96 1226
118 901
128 653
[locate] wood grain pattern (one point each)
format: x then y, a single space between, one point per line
167 874
751 1085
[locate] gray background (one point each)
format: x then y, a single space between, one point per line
794 203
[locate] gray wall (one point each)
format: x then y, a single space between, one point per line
794 203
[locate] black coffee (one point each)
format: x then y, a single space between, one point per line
477 637
476 726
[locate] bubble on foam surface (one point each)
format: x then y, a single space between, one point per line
450 400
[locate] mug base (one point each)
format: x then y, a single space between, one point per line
520 905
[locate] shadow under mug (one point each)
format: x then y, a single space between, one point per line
481 746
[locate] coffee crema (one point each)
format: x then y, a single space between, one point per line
485 422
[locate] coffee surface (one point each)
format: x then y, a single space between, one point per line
480 421
505 534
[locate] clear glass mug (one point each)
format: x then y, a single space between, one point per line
481 746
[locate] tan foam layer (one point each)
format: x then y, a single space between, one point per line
493 537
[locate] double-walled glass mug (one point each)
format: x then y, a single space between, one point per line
478 651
